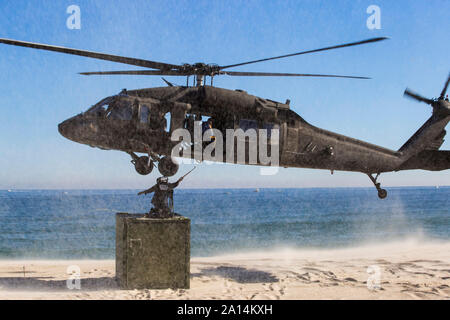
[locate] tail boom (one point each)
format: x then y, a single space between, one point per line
432 160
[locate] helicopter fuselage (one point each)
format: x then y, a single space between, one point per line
126 127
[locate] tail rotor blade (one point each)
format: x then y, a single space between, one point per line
416 96
445 87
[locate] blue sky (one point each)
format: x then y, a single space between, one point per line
40 89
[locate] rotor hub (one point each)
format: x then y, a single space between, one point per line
200 69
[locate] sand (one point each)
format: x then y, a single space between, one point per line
403 270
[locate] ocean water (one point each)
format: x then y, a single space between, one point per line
74 224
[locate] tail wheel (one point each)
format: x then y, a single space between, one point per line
143 166
167 167
382 193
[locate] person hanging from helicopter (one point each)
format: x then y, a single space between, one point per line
157 119
207 125
162 200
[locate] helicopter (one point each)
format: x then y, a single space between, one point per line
143 121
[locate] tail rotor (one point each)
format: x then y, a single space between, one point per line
440 105
416 96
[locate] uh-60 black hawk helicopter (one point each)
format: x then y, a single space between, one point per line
134 121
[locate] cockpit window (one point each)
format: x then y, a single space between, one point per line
120 111
99 110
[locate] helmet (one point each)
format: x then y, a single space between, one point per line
162 180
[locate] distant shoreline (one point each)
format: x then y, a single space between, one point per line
227 188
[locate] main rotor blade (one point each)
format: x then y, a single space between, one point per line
309 51
445 87
230 73
272 74
90 54
416 96
137 72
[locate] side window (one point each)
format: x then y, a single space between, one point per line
168 118
246 124
144 113
270 127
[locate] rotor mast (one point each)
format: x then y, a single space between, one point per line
200 78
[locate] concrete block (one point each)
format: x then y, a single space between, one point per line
152 253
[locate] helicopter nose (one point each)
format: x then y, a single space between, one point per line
64 128
70 128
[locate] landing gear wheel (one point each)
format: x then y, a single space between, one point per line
167 167
382 193
143 166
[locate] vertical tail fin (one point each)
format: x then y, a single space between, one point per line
431 135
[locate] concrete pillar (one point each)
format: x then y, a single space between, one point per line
152 253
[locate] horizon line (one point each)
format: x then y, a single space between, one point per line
221 188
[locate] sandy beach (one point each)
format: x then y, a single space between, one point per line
403 270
